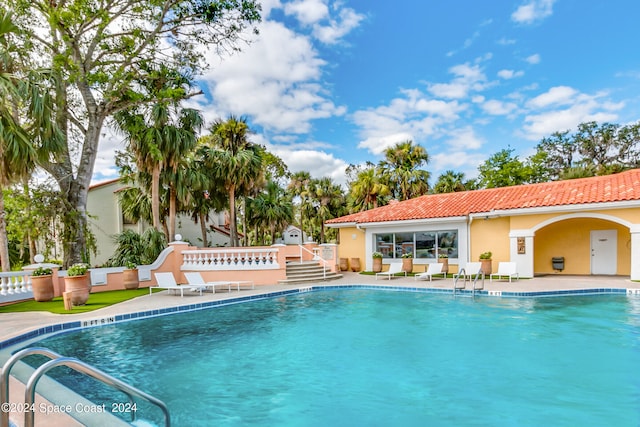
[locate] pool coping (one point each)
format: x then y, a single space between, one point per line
124 317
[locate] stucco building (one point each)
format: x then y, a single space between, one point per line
593 224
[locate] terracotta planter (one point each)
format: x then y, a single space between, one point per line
486 266
344 264
42 288
445 264
355 264
377 265
130 278
407 264
80 286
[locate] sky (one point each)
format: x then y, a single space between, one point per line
330 83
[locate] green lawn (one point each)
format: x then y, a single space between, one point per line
96 300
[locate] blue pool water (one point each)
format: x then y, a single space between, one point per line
374 358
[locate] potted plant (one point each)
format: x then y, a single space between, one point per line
377 262
78 282
42 284
485 259
444 259
407 262
130 275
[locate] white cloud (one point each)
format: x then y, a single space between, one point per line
579 109
533 59
498 108
467 78
307 11
534 10
337 28
329 24
414 116
559 95
318 163
465 138
510 74
280 89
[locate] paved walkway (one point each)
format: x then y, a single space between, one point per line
15 324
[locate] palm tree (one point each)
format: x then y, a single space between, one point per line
25 120
272 209
401 168
299 187
327 199
450 182
159 146
236 163
367 190
204 195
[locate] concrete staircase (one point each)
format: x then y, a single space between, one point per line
306 272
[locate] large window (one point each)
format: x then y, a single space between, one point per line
422 244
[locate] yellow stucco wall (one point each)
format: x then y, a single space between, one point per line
571 239
490 235
352 245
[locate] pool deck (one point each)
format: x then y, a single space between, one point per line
16 324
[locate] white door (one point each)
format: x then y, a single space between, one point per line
604 251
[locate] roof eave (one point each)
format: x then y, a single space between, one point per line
559 208
413 221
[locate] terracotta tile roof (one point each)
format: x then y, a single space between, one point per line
619 187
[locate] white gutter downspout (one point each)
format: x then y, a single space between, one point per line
469 221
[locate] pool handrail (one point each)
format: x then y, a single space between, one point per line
462 273
72 363
6 370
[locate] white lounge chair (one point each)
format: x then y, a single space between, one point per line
168 282
394 268
432 269
195 278
505 269
471 269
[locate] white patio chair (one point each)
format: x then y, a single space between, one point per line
505 269
432 269
195 278
394 268
168 282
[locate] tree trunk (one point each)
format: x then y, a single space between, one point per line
155 197
233 230
4 240
172 213
74 181
74 242
203 230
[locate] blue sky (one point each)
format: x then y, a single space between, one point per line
328 83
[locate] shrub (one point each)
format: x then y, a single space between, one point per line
376 255
42 271
79 269
485 255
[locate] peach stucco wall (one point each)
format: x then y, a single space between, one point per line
490 235
571 240
352 245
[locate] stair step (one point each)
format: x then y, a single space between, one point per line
332 276
307 271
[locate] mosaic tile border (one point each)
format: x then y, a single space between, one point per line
99 321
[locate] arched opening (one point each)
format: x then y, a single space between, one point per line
588 244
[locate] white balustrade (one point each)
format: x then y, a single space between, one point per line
15 285
230 259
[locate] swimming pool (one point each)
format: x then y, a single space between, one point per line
360 357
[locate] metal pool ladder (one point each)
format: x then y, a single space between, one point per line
474 287
72 363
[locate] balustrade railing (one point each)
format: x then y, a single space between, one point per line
15 285
230 259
